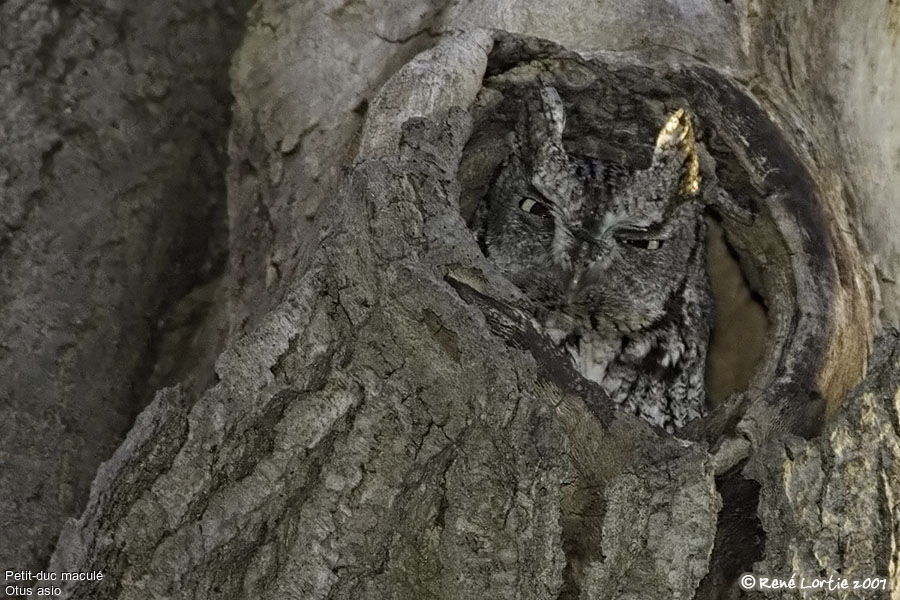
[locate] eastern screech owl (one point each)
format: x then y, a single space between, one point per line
613 259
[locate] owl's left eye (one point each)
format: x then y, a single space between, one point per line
534 207
644 244
639 239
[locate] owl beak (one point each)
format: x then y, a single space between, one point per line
573 288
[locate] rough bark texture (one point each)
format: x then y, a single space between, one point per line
383 423
340 454
112 226
834 499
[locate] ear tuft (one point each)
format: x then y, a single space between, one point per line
544 119
540 135
676 145
554 112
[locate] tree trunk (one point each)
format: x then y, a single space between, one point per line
384 421
113 235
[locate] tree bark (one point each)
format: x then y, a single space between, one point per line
112 235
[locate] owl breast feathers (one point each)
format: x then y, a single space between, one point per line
613 259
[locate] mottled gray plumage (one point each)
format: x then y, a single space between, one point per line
613 259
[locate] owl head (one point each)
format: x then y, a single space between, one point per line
593 239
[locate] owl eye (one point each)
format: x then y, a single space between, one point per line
534 207
644 244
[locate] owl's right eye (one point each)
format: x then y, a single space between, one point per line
534 207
